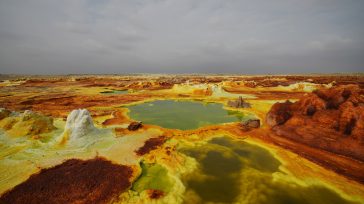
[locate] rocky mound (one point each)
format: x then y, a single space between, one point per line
4 113
28 123
74 181
329 119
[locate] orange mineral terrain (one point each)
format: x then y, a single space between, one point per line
182 139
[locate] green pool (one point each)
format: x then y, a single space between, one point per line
233 171
184 115
112 92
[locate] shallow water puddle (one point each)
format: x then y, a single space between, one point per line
184 115
112 92
236 171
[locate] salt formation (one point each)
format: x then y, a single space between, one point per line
79 123
308 87
239 103
218 91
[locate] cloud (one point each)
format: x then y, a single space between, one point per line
172 36
330 43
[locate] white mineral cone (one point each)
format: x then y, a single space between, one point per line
79 123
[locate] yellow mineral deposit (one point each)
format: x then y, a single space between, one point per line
194 140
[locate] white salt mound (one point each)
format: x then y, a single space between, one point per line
79 123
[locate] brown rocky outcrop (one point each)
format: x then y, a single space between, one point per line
330 119
279 113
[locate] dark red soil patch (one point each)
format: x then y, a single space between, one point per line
74 181
155 194
151 144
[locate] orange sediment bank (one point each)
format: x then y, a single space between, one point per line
74 181
346 166
118 118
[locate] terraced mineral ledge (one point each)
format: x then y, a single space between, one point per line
182 139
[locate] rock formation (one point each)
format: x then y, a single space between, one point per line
279 113
239 103
329 119
79 123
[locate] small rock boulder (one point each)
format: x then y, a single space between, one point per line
249 124
134 126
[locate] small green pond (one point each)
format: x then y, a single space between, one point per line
113 92
184 115
153 177
233 171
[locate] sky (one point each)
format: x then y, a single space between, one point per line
181 36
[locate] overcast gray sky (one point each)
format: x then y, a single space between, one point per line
181 36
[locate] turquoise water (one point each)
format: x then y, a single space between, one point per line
235 171
184 115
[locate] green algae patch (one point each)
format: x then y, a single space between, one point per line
232 171
184 115
217 179
260 187
153 177
252 155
